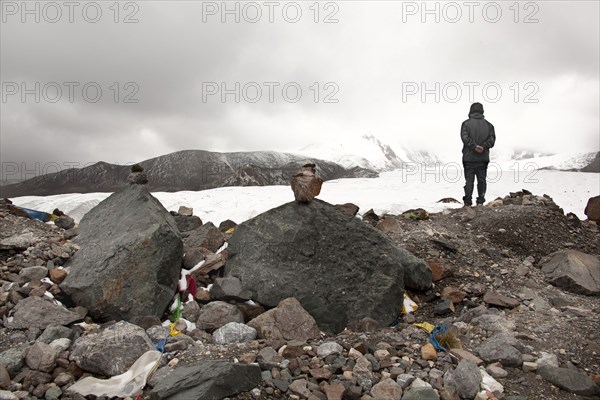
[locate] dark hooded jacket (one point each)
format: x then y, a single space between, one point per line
477 131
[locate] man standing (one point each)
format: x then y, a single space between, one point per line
478 137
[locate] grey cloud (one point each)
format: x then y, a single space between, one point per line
369 54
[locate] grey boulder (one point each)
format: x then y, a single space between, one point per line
570 380
574 271
35 312
218 313
111 351
465 379
130 257
287 321
234 332
421 394
205 380
340 269
501 348
33 273
19 242
42 357
13 359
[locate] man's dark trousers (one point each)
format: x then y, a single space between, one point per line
472 170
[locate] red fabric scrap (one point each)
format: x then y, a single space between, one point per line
191 284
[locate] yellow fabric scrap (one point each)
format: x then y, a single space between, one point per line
173 331
230 230
425 325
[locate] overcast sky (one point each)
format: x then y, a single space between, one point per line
372 59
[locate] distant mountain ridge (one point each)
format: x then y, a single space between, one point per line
355 157
585 162
509 159
593 166
185 170
368 152
576 162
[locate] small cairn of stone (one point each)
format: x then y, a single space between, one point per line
63 220
305 184
137 175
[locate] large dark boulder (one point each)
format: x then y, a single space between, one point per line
35 312
111 351
130 257
574 271
205 380
570 380
339 268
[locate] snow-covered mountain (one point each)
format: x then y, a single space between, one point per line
508 160
502 155
572 162
368 152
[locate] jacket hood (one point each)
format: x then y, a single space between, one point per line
476 115
476 108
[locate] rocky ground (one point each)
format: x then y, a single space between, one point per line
512 321
500 250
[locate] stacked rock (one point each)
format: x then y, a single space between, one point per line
137 175
63 220
305 184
